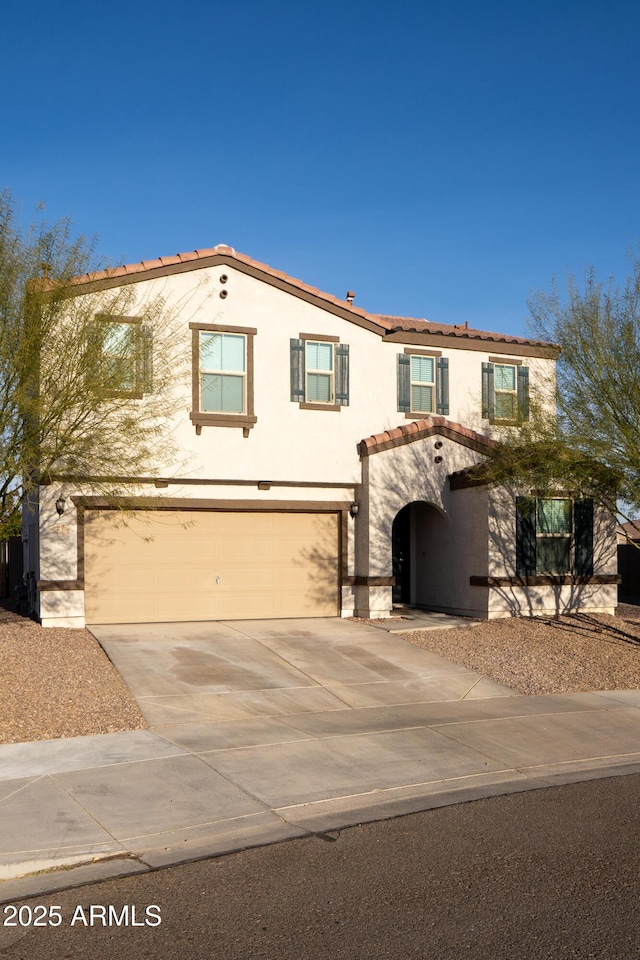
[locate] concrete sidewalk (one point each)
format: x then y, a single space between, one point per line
288 761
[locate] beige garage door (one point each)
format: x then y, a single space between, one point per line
160 566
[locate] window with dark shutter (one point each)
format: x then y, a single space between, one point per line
525 536
297 370
442 386
404 383
554 536
423 383
342 374
583 532
319 372
505 392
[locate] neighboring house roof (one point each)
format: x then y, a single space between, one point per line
390 327
420 430
628 531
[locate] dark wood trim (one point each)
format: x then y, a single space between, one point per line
461 481
206 418
343 547
223 328
506 361
460 341
334 408
230 261
42 585
194 481
222 419
544 580
120 318
496 422
470 342
413 352
84 503
372 581
320 337
134 504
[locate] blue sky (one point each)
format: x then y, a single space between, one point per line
442 159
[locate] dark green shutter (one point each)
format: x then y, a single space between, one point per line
488 403
523 393
297 371
525 536
442 386
342 374
404 383
583 528
144 359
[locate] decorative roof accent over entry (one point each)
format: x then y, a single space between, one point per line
420 430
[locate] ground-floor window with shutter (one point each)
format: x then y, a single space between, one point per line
319 372
554 535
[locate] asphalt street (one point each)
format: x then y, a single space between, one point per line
550 873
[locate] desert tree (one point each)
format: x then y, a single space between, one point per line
87 375
587 442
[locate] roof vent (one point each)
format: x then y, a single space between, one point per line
350 296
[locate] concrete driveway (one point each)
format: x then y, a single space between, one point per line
268 730
194 673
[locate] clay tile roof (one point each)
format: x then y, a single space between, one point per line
421 429
384 323
628 531
411 325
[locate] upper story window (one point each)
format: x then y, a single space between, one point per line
319 372
124 346
423 382
222 376
554 535
223 372
505 391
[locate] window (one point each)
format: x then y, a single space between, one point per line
505 391
319 367
423 383
223 372
124 356
319 372
222 376
554 536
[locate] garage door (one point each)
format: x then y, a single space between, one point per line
162 566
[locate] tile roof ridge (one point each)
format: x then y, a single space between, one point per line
223 249
389 323
419 429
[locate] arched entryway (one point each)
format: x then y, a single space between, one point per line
420 554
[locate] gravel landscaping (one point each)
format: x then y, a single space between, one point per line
60 683
573 654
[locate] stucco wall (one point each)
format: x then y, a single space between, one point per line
516 600
452 543
449 549
288 442
316 449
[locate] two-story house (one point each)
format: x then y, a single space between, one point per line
323 471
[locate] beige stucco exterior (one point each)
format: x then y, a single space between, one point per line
294 458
